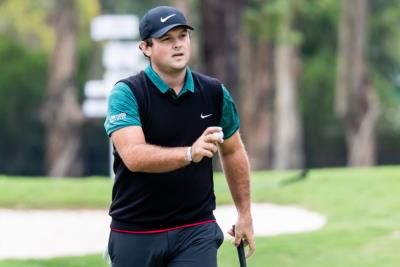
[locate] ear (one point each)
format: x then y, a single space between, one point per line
145 48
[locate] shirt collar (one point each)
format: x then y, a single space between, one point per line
163 87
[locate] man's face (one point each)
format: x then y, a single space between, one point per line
171 52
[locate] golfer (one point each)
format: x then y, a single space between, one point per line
166 124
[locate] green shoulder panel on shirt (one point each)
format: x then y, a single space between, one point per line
230 122
122 109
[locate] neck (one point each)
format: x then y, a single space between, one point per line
174 80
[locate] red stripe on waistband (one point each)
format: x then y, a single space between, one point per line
162 230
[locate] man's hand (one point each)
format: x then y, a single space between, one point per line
206 144
244 231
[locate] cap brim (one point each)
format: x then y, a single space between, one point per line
166 29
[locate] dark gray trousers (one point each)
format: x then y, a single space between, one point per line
186 247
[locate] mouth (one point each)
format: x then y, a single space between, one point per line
177 55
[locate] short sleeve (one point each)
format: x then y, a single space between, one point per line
122 109
230 121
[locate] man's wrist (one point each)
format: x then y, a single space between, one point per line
244 211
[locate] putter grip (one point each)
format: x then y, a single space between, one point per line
240 250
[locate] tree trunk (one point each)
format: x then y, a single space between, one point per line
185 7
256 101
62 114
221 24
288 145
356 103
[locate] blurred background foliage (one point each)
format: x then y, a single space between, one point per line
27 40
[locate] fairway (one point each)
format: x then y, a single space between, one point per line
361 207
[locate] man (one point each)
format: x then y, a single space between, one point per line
166 124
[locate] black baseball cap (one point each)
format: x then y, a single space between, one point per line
159 20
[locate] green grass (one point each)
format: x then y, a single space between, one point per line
85 261
45 193
361 205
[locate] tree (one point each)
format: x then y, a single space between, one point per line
24 40
256 100
220 29
257 80
356 103
61 113
242 61
267 46
288 145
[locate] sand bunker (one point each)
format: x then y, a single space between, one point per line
53 233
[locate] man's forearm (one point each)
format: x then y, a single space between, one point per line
237 172
139 156
236 169
155 159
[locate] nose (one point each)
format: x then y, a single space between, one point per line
177 43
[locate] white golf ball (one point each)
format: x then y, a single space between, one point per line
218 135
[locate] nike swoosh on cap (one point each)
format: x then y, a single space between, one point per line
166 18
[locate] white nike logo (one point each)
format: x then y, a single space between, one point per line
166 18
205 116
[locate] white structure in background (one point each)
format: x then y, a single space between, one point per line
121 58
114 27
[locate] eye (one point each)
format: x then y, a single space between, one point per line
183 35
